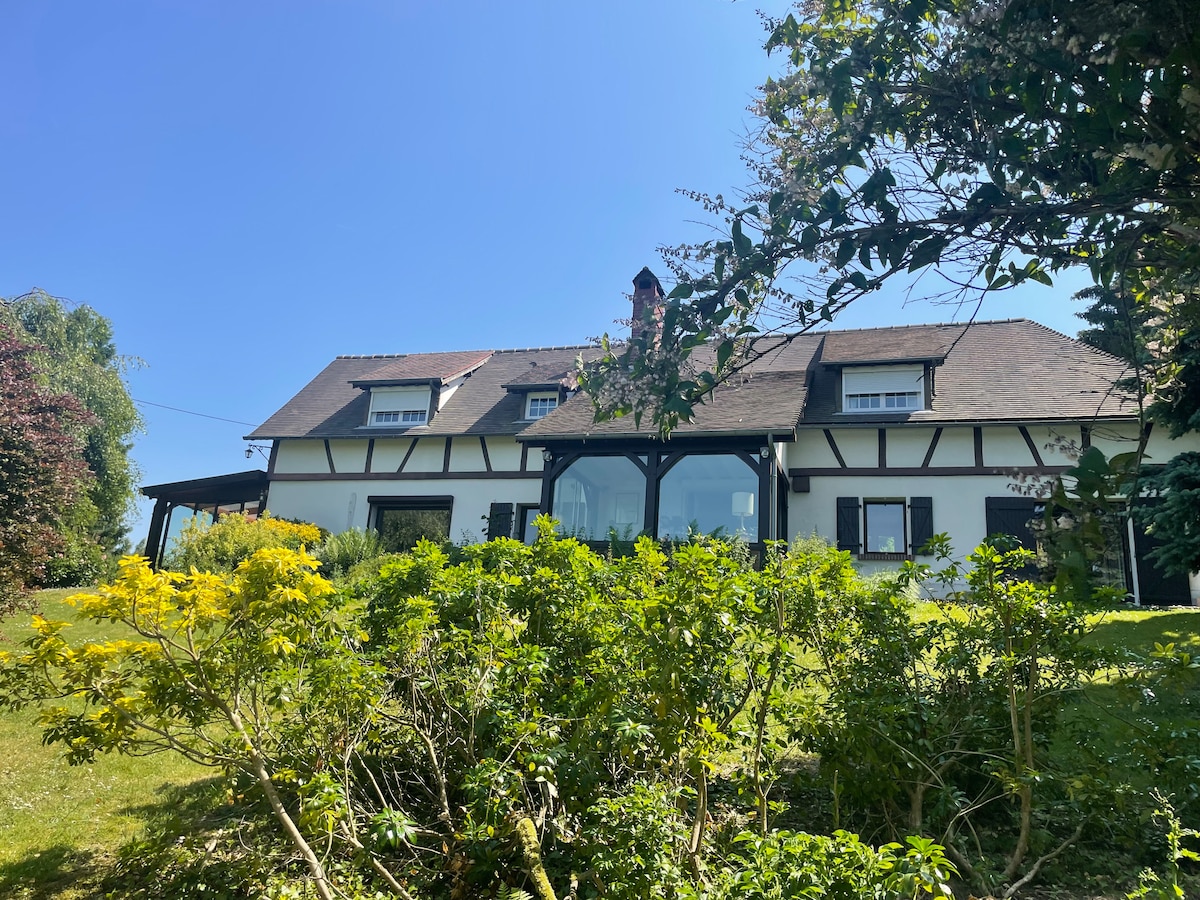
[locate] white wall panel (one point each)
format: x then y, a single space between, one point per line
859 446
349 456
389 453
811 451
301 456
466 455
906 447
956 447
428 455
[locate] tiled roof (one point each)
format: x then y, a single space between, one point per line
1013 370
331 406
993 371
421 367
914 343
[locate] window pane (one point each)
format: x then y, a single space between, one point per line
400 529
709 494
601 496
885 527
529 533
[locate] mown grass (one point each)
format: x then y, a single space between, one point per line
60 824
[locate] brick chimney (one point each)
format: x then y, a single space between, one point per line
648 303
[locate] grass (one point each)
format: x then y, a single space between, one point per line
59 824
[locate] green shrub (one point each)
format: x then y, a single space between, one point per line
219 547
340 553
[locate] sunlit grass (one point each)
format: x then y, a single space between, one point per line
59 823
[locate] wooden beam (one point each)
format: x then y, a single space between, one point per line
837 454
933 442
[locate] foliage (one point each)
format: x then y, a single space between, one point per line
524 718
76 355
340 553
42 473
1174 518
943 726
1118 326
840 867
224 544
1149 884
991 144
247 672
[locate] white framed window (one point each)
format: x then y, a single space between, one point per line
884 400
399 406
400 417
883 389
538 406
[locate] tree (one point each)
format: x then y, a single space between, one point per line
989 144
42 472
75 354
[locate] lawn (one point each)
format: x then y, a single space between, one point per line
59 824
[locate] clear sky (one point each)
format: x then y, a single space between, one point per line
248 189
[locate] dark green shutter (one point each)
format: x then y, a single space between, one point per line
921 511
848 524
500 521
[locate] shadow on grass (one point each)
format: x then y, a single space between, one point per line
65 872
59 871
1181 628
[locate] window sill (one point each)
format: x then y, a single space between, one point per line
884 557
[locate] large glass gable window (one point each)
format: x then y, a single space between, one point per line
709 494
599 497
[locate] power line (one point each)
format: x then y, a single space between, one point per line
190 413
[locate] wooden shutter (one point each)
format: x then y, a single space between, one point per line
500 521
921 512
848 526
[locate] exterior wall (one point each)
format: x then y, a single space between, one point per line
959 496
304 487
958 505
340 505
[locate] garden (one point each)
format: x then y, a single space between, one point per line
514 721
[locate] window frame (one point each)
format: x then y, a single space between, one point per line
382 503
891 555
540 397
879 383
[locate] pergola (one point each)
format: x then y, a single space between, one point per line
242 492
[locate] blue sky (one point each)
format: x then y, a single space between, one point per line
249 189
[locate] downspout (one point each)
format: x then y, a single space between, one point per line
773 490
1133 564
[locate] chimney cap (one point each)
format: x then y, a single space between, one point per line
647 280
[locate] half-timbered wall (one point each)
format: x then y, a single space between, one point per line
329 482
957 467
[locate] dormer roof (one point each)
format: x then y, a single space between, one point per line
892 345
423 368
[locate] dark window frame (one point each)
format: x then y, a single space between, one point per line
378 504
889 555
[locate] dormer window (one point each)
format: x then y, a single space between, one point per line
867 389
886 400
399 407
538 406
400 417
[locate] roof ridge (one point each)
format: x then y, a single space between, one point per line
447 352
967 324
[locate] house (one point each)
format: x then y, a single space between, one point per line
874 438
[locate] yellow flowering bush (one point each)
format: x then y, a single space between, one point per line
221 546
